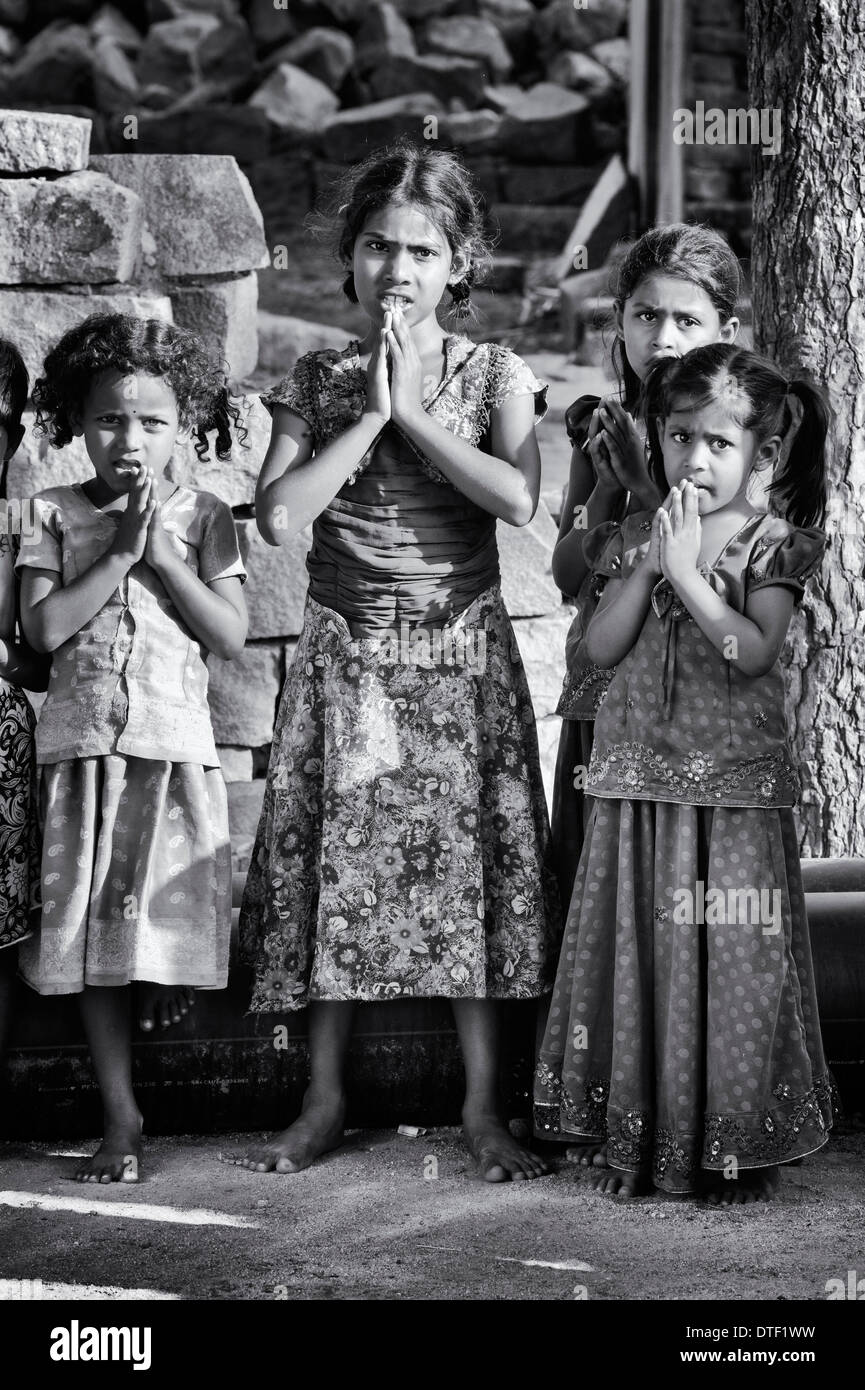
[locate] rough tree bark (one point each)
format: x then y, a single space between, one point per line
808 60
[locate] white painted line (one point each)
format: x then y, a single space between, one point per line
133 1211
31 1290
577 1265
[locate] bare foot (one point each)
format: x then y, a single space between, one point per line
616 1183
591 1154
752 1185
495 1150
118 1157
319 1128
161 1005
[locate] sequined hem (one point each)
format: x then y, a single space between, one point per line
797 1126
582 694
636 772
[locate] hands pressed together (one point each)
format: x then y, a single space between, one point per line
618 454
398 397
674 549
141 533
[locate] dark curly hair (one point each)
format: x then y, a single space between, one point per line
431 179
124 343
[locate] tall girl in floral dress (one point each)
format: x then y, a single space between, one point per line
683 1030
403 846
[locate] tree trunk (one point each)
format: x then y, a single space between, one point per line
808 60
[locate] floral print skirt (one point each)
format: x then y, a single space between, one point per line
403 848
19 827
136 876
683 1026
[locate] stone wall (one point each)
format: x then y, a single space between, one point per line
532 93
181 237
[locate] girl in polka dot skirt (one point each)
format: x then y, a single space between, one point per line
129 582
683 1031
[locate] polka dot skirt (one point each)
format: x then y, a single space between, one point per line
683 1027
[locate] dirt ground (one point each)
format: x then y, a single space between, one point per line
374 1222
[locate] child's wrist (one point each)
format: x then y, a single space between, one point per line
612 492
121 554
376 419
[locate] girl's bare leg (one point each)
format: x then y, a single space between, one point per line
108 1024
498 1155
321 1123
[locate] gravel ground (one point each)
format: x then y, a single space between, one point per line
367 1223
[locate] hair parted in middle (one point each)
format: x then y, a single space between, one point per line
760 398
433 180
688 251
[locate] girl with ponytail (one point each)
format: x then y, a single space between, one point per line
683 1033
129 581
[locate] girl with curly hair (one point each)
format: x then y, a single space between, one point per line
129 581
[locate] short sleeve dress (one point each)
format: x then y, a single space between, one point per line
683 1028
136 858
403 848
19 833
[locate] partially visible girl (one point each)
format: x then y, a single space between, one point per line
675 289
20 669
133 581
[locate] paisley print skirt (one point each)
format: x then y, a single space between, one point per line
683 1027
403 848
136 876
19 826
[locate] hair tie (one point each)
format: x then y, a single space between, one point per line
461 294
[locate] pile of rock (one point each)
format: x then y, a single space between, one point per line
532 93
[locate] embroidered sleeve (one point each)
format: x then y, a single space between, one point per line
790 560
296 391
602 550
511 376
577 417
219 553
42 547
